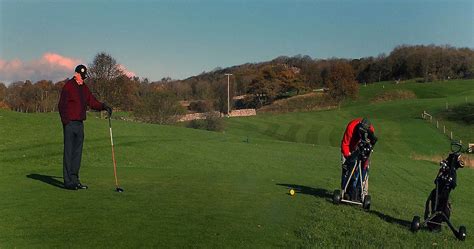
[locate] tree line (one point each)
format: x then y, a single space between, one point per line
149 101
266 81
258 84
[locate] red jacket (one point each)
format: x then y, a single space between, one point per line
74 101
351 137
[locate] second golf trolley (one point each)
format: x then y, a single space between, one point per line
438 207
356 185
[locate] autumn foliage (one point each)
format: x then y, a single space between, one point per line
340 80
255 84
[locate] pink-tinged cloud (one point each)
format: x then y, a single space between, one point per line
50 66
14 64
60 60
125 71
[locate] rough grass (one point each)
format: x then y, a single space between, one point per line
394 95
304 102
467 158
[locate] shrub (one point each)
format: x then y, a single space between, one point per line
200 106
463 113
214 122
159 107
211 122
197 124
4 105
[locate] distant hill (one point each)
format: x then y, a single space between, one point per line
286 76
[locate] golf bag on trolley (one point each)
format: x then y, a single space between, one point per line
355 177
438 206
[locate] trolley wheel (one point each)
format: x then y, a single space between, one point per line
415 224
366 203
336 197
462 233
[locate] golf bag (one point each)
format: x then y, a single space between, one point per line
355 177
438 206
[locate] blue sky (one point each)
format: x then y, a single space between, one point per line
181 38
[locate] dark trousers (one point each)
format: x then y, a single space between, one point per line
73 139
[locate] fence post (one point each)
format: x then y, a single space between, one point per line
451 135
444 129
437 125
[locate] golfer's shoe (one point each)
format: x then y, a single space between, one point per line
69 187
81 186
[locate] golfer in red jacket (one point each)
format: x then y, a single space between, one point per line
356 130
75 97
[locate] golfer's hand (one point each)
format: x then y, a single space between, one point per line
108 109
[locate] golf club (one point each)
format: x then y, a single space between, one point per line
118 189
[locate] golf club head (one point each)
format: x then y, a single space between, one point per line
120 190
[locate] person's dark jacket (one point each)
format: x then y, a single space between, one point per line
74 101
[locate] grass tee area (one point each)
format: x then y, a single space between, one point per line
188 188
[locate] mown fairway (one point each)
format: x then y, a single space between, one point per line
187 188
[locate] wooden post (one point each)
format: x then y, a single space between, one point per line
451 135
437 125
444 129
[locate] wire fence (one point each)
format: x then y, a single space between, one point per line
442 127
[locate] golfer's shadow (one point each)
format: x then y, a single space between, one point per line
51 180
318 192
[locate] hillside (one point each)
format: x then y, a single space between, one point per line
191 188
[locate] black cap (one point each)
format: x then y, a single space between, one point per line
82 70
364 125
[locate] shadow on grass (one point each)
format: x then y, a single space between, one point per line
318 192
327 195
390 219
51 180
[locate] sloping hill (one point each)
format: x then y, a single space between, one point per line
191 188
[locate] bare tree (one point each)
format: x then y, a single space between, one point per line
107 79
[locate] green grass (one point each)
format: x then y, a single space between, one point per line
187 188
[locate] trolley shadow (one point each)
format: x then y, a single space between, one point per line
327 195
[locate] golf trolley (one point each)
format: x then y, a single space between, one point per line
356 185
438 206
